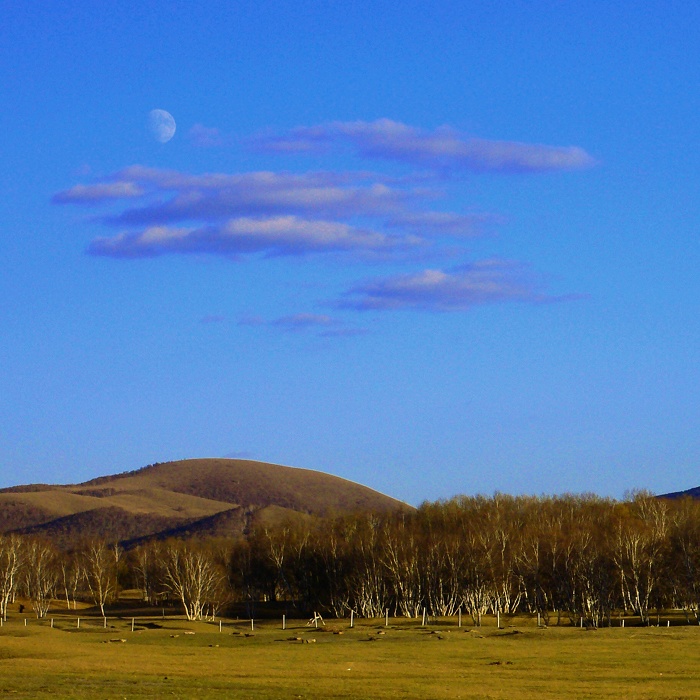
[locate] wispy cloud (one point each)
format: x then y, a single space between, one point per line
322 325
271 236
251 321
212 319
299 322
171 196
100 192
439 223
343 332
207 136
355 213
484 282
361 215
441 148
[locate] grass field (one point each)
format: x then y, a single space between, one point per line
162 659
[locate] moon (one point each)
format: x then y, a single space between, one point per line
161 125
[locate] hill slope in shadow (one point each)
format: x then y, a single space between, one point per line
195 497
692 493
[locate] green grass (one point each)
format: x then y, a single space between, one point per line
407 661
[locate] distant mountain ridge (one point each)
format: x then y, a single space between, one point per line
693 493
195 497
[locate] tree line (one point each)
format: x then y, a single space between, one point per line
572 557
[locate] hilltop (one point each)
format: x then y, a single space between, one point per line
205 497
692 493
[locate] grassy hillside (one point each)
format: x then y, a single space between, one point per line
191 497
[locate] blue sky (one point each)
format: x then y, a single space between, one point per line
434 248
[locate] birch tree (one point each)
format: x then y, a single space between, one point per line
41 575
99 568
70 577
146 570
191 574
336 560
683 558
368 580
402 560
11 561
638 554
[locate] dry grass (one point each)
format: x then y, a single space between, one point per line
184 491
404 661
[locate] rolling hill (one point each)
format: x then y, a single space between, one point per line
195 497
692 493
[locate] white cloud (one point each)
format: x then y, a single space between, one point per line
442 148
280 235
170 196
358 214
100 192
484 282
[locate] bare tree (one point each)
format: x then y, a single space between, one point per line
402 560
71 575
336 560
146 569
191 574
444 568
497 524
41 575
478 594
278 545
99 569
683 558
638 554
11 561
367 580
